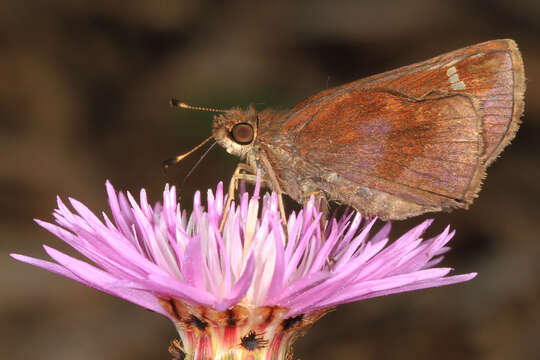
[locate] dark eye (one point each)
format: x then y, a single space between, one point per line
242 133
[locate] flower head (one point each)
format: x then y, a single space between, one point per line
251 287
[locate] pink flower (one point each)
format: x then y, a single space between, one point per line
250 288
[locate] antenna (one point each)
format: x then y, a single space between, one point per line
177 103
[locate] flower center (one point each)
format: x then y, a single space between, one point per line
239 333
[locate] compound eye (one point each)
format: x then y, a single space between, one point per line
242 133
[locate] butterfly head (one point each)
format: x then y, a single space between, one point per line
236 130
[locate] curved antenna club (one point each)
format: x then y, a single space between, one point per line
175 160
177 103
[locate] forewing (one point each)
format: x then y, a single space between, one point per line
405 147
490 73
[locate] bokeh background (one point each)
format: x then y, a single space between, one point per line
84 97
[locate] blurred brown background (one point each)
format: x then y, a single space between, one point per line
84 93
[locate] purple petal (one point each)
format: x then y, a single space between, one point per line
151 252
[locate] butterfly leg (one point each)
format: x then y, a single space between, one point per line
233 185
324 207
275 186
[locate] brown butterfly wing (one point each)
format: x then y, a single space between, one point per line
492 72
420 136
426 152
